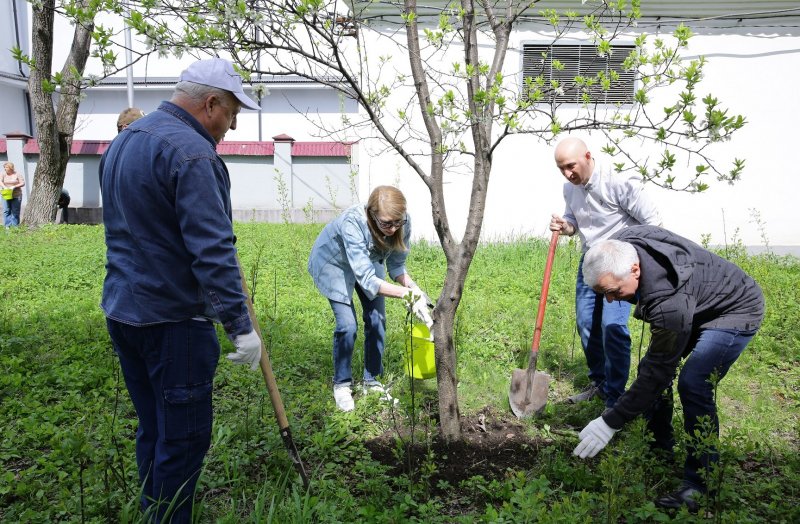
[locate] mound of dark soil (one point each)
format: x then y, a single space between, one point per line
492 445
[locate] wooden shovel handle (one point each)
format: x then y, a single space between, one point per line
266 365
551 254
272 386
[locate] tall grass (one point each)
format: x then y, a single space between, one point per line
66 449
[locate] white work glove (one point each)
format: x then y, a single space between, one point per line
421 306
594 437
418 303
248 349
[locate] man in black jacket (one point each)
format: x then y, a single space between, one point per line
700 307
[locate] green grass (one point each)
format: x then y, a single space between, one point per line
66 449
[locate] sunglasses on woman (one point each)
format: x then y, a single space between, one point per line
387 224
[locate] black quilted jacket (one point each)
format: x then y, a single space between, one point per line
683 289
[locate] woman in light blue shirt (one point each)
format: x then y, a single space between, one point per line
350 254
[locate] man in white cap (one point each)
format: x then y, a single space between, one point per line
171 272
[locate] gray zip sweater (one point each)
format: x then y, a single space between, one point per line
683 289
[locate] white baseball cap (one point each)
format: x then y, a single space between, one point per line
219 73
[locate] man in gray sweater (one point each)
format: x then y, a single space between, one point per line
700 307
599 202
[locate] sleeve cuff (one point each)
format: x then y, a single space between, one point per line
613 419
396 272
238 326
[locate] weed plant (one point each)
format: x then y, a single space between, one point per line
67 445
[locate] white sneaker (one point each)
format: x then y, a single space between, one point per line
376 387
343 397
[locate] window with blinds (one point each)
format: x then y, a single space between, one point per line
582 78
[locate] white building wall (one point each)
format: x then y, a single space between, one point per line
14 112
755 74
754 71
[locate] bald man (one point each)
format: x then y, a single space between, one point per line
600 202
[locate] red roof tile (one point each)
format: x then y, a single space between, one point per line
246 148
79 147
253 148
321 148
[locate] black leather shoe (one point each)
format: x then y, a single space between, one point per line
685 496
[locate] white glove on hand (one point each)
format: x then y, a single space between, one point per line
594 437
424 295
420 305
248 350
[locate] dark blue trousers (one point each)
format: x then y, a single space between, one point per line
169 371
344 337
606 340
713 353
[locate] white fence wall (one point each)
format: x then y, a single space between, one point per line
261 188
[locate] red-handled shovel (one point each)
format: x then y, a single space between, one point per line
528 392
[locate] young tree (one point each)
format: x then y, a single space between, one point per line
442 103
56 97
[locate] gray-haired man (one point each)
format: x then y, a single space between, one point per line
700 308
171 271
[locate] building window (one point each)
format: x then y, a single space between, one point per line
584 78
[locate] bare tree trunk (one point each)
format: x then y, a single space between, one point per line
459 255
37 210
54 129
446 361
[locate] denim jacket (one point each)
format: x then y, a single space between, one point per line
344 253
168 226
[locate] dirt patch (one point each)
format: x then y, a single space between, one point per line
492 445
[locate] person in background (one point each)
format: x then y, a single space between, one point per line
63 204
12 206
600 202
127 117
172 271
349 255
700 308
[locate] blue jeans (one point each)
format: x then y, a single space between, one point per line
344 337
606 341
713 353
11 212
169 371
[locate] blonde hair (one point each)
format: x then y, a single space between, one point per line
127 117
9 164
387 200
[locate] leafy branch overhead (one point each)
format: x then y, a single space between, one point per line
105 42
324 41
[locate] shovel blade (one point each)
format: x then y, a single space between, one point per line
522 404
